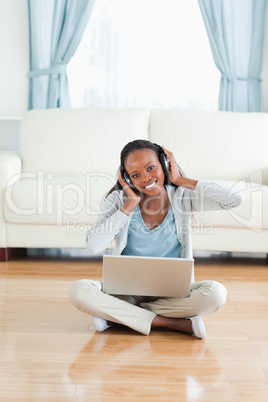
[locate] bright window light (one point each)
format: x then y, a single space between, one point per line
144 53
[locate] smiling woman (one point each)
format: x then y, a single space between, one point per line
141 54
141 199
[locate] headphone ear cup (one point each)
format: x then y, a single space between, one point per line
127 179
165 165
164 162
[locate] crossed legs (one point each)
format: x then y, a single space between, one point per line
141 313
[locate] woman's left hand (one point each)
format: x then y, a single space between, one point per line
174 173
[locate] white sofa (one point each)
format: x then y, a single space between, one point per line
51 193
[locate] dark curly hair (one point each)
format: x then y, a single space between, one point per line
134 146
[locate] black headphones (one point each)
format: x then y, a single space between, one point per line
164 163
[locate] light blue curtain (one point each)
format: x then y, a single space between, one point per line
56 27
235 30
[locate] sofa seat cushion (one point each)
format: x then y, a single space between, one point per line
251 214
59 200
74 200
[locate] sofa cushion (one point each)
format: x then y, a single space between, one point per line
251 214
215 145
57 200
77 141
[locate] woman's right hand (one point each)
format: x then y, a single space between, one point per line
133 197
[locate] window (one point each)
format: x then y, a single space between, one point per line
144 53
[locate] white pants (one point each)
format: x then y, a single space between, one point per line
138 312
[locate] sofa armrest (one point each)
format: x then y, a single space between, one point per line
10 165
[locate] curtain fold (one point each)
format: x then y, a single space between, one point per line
236 30
55 28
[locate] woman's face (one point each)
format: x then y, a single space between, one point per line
145 171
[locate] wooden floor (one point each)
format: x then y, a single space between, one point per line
49 351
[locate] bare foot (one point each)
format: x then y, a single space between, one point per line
175 324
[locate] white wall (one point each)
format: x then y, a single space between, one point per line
14 65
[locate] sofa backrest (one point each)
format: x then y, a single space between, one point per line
74 142
207 145
215 145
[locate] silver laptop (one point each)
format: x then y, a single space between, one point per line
147 276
